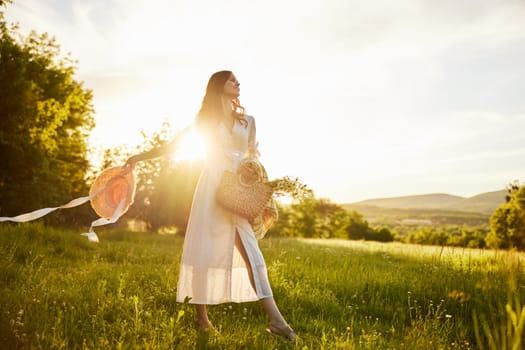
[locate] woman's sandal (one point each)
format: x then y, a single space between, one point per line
285 332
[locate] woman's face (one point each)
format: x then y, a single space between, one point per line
231 87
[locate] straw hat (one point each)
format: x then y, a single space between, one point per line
111 187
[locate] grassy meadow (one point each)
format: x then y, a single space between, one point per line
59 291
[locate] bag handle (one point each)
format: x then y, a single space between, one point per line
255 166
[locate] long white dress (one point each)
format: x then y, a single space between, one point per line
212 270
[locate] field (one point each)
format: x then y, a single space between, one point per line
58 291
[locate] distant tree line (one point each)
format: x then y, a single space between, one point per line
449 235
320 218
506 229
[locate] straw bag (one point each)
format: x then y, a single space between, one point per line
241 196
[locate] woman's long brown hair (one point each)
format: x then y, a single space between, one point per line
211 109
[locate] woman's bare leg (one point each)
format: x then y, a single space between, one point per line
271 309
202 321
240 248
278 325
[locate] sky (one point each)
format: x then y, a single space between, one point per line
359 99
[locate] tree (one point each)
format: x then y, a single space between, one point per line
381 235
428 235
358 227
45 119
507 224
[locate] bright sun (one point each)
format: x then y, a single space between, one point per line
192 146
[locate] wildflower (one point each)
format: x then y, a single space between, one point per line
291 187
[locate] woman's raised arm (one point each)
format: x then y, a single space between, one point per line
168 148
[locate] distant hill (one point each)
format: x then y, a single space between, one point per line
485 203
423 201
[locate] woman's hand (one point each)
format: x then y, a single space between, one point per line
248 174
132 161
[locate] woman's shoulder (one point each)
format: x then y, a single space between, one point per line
249 118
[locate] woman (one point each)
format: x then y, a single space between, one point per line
221 259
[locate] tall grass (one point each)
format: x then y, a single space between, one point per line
58 291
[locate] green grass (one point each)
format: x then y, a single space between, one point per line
58 291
